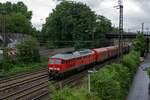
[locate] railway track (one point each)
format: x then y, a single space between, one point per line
16 84
21 75
32 87
71 81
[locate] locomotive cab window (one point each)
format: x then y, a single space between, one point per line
58 62
51 61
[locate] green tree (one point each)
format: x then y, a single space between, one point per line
70 21
103 26
18 7
17 23
18 18
27 50
139 44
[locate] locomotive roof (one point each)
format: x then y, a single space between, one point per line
72 54
62 56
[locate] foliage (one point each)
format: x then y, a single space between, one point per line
27 50
124 77
102 26
72 94
75 22
17 18
21 67
5 60
18 7
105 84
17 23
148 72
139 43
131 61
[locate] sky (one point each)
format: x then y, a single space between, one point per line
135 11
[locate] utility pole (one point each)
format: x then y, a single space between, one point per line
147 40
89 79
120 7
147 31
142 27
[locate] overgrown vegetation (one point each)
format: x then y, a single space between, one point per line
20 67
27 58
148 72
27 50
139 44
109 83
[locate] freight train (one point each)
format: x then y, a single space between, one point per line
61 64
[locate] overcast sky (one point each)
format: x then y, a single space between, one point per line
135 11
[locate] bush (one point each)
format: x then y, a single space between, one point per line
72 94
106 85
131 61
123 76
6 65
139 44
21 67
148 72
27 50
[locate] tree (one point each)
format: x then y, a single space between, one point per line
18 18
17 23
139 43
18 7
28 50
70 21
103 26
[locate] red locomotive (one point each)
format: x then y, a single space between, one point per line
60 64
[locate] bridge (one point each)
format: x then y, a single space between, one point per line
125 35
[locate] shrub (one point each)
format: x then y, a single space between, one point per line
139 44
105 84
72 94
123 77
5 61
131 61
21 67
148 72
27 50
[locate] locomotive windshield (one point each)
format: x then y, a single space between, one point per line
57 62
54 61
51 61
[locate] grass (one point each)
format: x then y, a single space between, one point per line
21 68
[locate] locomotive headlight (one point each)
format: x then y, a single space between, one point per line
58 68
54 69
